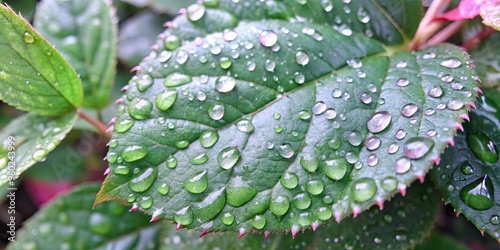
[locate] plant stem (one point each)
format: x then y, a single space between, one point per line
428 26
97 124
443 34
477 38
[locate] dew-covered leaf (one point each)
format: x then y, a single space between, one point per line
33 76
70 222
487 62
468 175
28 139
85 33
271 119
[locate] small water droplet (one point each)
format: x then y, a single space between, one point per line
245 126
134 153
165 99
268 38
495 219
417 147
327 5
286 150
393 148
302 58
435 91
372 143
402 82
335 169
176 79
144 82
409 110
309 163
225 84
366 98
379 121
363 189
227 219
279 205
466 168
389 184
301 201
121 170
479 194
400 134
451 63
319 108
455 104
238 194
182 144
143 179
140 109
363 15
483 147
171 162
402 165
259 221
401 64
171 43
336 93
315 187
196 183
289 180
216 112
195 12
209 138
181 57
354 137
304 115
372 160
199 159
184 216
228 157
447 78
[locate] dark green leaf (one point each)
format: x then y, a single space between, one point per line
25 7
468 175
440 241
70 222
64 163
486 60
29 139
33 76
165 6
85 33
272 118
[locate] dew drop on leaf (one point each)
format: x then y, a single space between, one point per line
259 221
402 165
269 65
363 189
227 219
171 162
225 62
245 126
479 194
209 138
210 206
402 82
289 180
140 109
121 170
435 91
301 201
146 202
451 63
319 108
199 159
304 115
181 57
372 143
324 213
228 157
28 38
196 183
184 216
483 147
176 79
455 104
279 205
163 189
302 58
335 169
393 148
143 179
495 219
124 125
286 150
309 163
238 194
165 99
389 184
172 42
409 110
379 121
216 112
417 147
144 82
354 137
315 187
372 160
195 12
466 168
134 153
268 38
225 84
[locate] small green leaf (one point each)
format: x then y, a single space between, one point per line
70 222
28 139
85 33
486 60
318 118
33 76
468 174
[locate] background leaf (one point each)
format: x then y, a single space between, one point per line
85 33
164 6
69 222
440 241
485 57
33 76
35 137
468 174
272 119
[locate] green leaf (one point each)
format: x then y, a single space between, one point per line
485 57
63 163
401 225
85 33
468 175
70 222
136 36
440 241
28 139
165 6
26 7
268 120
34 77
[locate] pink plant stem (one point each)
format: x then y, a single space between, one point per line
443 34
101 127
477 38
428 26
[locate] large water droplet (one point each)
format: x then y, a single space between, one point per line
315 187
227 218
121 170
289 180
134 153
225 62
238 193
301 201
324 213
196 183
483 147
479 194
372 160
309 163
302 58
409 110
495 219
210 206
195 12
286 150
268 38
269 65
279 205
259 221
402 165
208 138
184 216
225 84
172 42
363 189
165 99
163 189
455 104
389 184
122 126
335 169
228 157
199 159
181 57
245 126
326 5
417 147
143 179
304 115
363 15
176 79
435 91
140 109
451 63
402 82
216 112
379 121
319 108
144 82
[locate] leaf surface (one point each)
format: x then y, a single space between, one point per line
33 138
34 77
85 33
165 6
468 175
272 119
485 57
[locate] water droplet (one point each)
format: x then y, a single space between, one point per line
431 132
134 153
124 125
216 112
366 98
245 126
286 150
319 108
455 104
278 129
479 194
363 189
354 137
227 219
326 5
372 143
251 66
302 58
495 219
372 160
389 184
315 187
163 189
121 170
435 91
238 194
171 162
208 138
430 55
28 38
304 115
409 110
165 99
228 157
195 12
196 183
401 64
176 79
182 144
269 65
210 206
172 42
301 201
289 180
417 147
279 205
100 223
402 165
379 121
309 163
466 168
337 93
335 169
276 116
143 179
181 57
225 84
400 134
363 15
140 109
199 159
259 221
144 82
402 82
184 216
330 114
483 147
268 38
225 62
451 63
393 148
164 56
